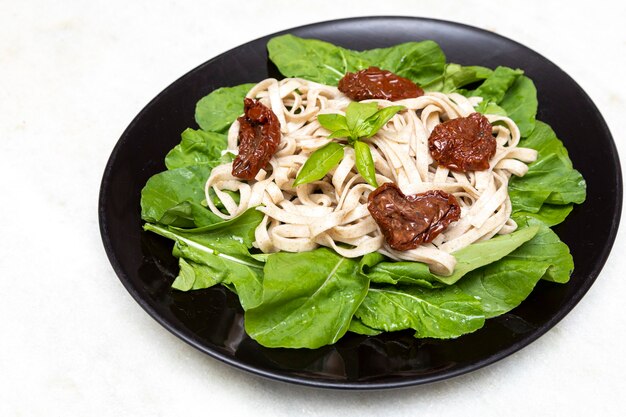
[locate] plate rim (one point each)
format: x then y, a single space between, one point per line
362 385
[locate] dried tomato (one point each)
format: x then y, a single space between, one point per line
408 221
463 144
376 83
259 136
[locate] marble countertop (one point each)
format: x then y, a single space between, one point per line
75 343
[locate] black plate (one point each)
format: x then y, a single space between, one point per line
212 320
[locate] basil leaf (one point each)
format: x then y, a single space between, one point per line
319 163
365 162
341 133
357 113
373 123
218 110
333 121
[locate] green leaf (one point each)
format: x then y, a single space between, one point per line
341 133
368 127
549 214
197 147
503 285
421 62
196 276
357 113
313 59
326 63
232 237
333 121
319 163
309 299
520 104
168 189
496 85
483 253
218 110
222 252
546 248
469 258
550 179
457 76
189 214
365 162
357 326
439 313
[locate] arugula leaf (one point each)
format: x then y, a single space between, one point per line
496 85
357 326
168 189
213 259
325 63
218 110
546 248
439 313
309 299
197 147
196 276
420 62
550 179
319 163
456 76
234 236
313 59
468 259
520 104
549 214
189 214
503 285
365 162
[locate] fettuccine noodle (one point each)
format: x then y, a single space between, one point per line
333 212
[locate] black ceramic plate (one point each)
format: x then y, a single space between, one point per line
212 320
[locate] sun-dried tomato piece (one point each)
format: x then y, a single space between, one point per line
407 221
463 144
259 136
376 83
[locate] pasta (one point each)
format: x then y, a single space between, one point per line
333 212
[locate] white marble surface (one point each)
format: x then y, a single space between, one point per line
74 343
